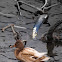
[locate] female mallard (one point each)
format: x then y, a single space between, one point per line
27 54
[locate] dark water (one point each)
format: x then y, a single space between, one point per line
28 19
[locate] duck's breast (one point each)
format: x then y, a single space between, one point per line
26 57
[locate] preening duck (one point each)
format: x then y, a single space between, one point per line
27 54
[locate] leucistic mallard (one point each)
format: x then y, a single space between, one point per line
27 54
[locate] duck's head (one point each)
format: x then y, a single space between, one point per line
18 44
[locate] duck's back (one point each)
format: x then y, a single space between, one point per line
29 51
33 52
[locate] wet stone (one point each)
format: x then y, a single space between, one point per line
56 58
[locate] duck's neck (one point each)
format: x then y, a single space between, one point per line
17 51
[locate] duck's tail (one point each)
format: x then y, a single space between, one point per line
42 59
45 58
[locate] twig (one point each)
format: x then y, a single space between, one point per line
42 8
44 4
16 34
32 6
51 6
7 15
19 27
18 7
5 28
12 25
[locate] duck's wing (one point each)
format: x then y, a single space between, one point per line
29 51
33 52
40 54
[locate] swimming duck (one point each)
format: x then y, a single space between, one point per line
27 54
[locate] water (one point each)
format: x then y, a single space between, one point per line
28 20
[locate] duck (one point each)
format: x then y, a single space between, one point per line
28 54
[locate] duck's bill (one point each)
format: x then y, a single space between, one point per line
11 46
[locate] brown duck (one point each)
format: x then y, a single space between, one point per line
27 54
